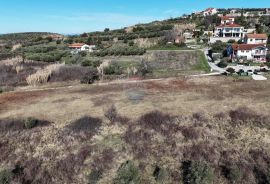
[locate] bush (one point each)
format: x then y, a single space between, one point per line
90 62
231 41
268 58
30 123
90 77
94 176
5 176
160 174
219 46
231 70
244 115
111 113
1 90
88 125
154 120
223 63
113 69
197 172
128 173
233 174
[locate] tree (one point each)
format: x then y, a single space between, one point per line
106 30
84 35
49 39
259 28
218 46
268 57
231 70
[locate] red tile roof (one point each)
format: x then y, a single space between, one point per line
76 45
246 46
229 25
209 9
226 17
258 36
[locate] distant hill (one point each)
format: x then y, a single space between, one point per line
22 38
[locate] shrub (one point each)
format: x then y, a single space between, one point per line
268 58
103 161
160 174
30 123
231 70
128 173
154 120
90 77
94 176
244 114
191 132
1 90
223 63
233 173
197 172
219 46
5 176
111 113
90 62
87 125
231 41
113 69
199 117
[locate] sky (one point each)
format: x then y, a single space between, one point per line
78 16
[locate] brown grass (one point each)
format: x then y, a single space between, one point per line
176 121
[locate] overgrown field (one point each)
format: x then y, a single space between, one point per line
200 130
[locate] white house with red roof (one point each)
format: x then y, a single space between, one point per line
229 30
209 11
78 47
255 52
256 39
227 20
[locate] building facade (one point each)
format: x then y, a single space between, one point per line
254 52
256 39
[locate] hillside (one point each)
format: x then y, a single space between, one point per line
138 105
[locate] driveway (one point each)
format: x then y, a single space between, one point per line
213 66
258 77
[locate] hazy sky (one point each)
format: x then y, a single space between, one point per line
77 16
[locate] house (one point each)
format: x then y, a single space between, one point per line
209 11
255 52
229 30
256 39
56 37
78 47
227 20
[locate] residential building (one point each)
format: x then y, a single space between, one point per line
207 12
78 47
210 11
56 37
227 20
255 52
229 30
256 39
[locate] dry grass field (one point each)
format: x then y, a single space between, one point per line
152 132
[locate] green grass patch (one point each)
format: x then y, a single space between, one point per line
203 64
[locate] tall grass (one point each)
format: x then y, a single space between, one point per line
43 76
